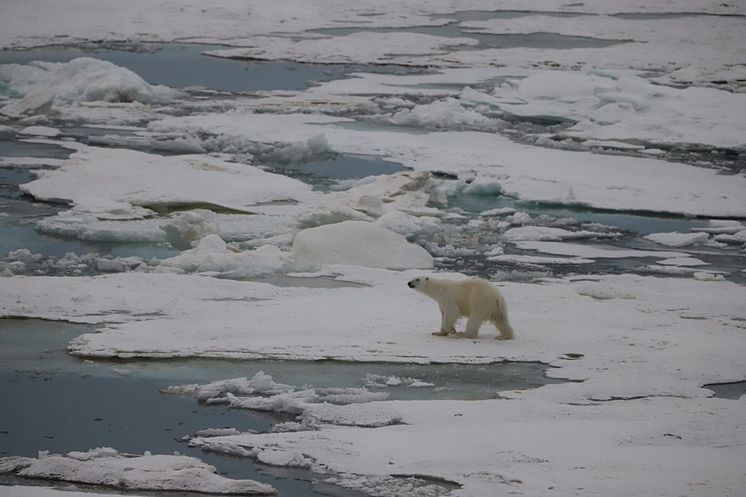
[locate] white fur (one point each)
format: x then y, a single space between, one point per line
474 298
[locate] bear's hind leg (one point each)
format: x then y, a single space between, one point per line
503 326
472 327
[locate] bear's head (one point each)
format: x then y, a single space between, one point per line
418 282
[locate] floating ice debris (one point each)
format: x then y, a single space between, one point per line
592 251
107 467
213 254
683 261
259 384
45 131
311 405
678 239
217 432
380 381
546 233
359 243
447 113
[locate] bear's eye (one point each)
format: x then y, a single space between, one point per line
427 279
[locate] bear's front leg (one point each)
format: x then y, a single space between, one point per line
447 322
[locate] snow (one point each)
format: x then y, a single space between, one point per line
621 106
636 420
108 468
385 321
139 178
514 169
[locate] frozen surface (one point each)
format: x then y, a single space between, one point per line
636 107
359 243
138 178
176 315
105 466
501 165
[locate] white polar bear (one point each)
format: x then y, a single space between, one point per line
474 298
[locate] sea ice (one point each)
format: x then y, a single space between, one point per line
677 239
45 84
140 179
145 472
359 243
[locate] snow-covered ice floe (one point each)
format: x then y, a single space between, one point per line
680 333
495 163
109 468
664 82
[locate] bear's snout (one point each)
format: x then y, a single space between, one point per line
410 284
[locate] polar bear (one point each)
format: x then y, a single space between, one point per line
474 298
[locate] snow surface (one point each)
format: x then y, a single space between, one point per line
636 420
575 178
656 340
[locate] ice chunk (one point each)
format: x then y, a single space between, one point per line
184 229
45 131
546 233
683 261
84 79
278 457
260 383
217 432
447 113
108 468
213 254
368 415
359 243
674 239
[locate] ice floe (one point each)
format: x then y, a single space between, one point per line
501 165
142 179
109 468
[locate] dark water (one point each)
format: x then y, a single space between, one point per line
733 391
343 167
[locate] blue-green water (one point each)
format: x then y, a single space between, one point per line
485 40
118 403
183 65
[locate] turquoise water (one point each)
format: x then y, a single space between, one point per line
118 403
183 65
485 40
